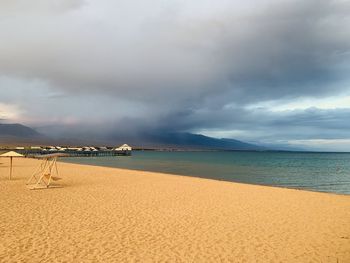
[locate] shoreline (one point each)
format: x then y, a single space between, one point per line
206 178
105 214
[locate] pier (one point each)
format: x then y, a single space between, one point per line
72 152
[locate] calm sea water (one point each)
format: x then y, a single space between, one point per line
324 172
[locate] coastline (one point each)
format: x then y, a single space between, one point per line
206 178
317 173
114 214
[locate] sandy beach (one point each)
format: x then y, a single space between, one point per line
114 215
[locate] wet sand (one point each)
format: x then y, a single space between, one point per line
115 215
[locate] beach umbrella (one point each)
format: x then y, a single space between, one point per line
11 155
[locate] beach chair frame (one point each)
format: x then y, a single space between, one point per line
44 175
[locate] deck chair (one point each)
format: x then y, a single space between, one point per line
45 174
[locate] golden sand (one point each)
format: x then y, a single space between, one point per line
114 215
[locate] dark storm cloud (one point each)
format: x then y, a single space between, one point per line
262 124
286 48
177 66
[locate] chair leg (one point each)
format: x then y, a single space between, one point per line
40 169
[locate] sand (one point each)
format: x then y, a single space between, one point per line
115 215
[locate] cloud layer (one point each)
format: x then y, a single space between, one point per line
179 66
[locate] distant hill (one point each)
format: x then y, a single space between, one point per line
197 141
12 134
18 130
18 134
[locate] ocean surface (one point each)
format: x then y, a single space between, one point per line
323 172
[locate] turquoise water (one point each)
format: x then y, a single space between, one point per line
324 172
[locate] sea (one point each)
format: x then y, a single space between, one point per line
322 172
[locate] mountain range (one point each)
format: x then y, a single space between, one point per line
13 134
18 130
17 134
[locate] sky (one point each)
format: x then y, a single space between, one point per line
264 71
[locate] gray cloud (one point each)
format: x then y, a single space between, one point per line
15 7
177 66
265 125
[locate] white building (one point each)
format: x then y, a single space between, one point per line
123 148
19 148
35 147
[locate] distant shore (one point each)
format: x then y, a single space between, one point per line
115 215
